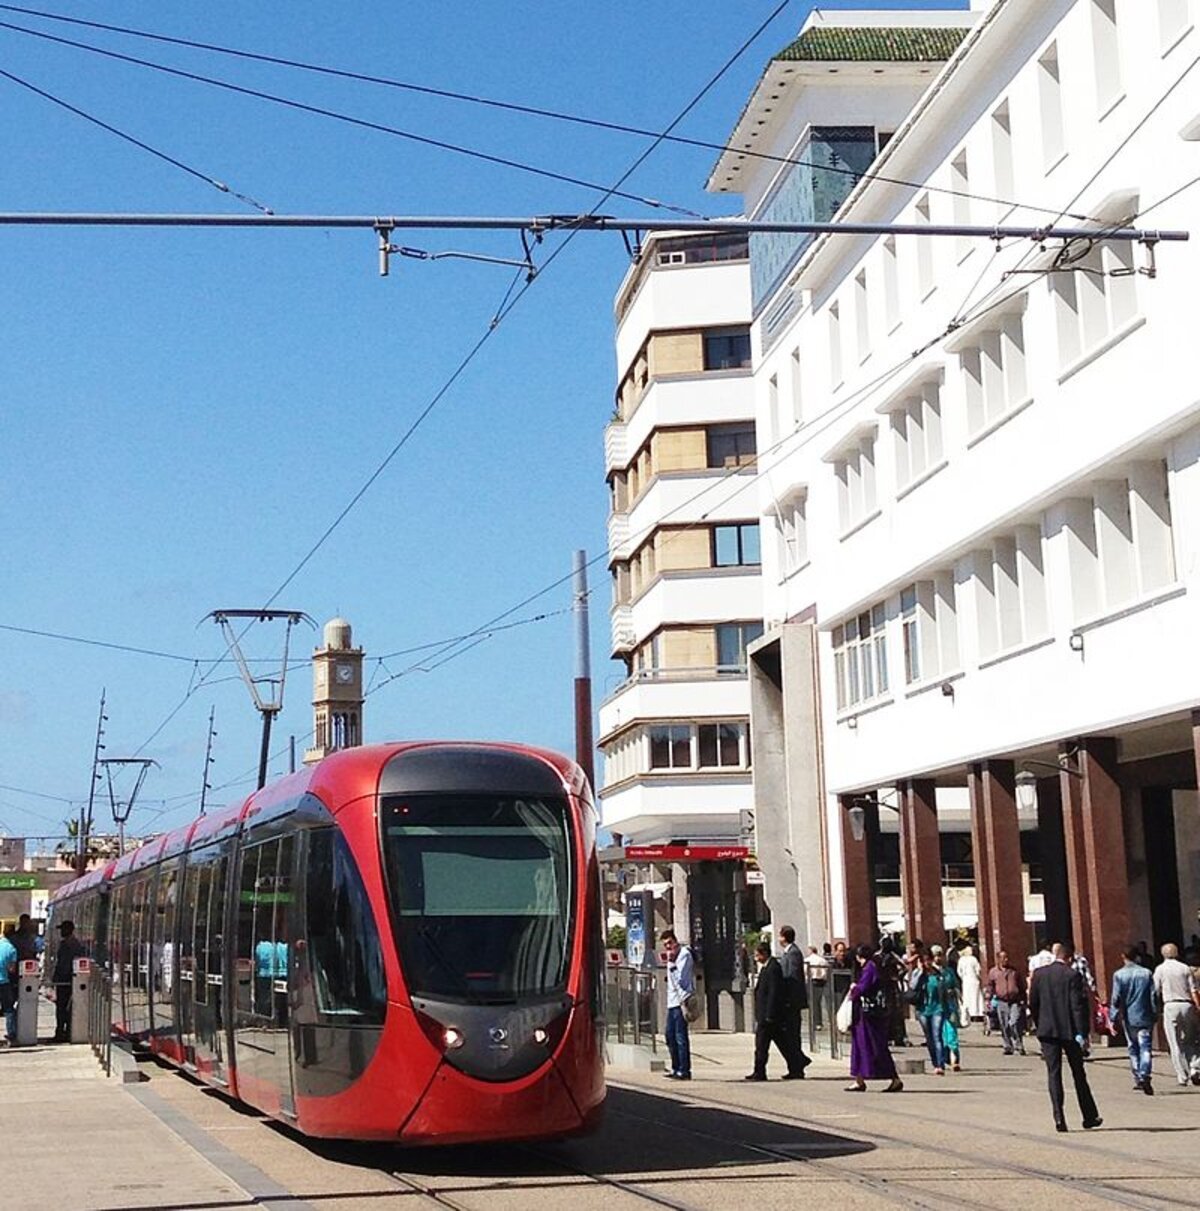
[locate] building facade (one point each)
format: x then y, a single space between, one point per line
979 459
684 555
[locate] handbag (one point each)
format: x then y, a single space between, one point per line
691 1007
844 1018
875 1004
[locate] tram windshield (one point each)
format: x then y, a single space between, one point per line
480 890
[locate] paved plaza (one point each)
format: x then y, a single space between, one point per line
979 1138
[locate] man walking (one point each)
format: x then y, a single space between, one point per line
772 1023
1175 988
1006 990
1132 1007
1059 1005
681 983
791 962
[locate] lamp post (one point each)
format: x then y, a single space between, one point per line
1026 780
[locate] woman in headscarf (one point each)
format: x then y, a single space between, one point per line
870 1059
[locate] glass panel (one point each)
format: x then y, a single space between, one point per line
725 546
751 552
729 733
480 887
707 743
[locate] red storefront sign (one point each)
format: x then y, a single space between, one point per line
686 853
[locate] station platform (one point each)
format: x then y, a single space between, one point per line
980 1138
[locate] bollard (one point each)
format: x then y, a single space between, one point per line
80 987
28 987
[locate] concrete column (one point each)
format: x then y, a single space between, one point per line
996 839
921 861
859 872
1104 850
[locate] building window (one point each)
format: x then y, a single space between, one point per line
1132 535
835 346
1051 107
911 632
736 545
960 184
995 374
732 639
917 433
727 349
719 745
773 417
855 472
793 531
1010 591
925 281
1106 51
862 316
860 658
891 284
731 445
1173 22
671 746
929 626
797 391
1096 298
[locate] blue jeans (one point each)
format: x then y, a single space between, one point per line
1141 1059
8 1003
932 1025
677 1042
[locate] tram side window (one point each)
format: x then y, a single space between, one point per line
343 937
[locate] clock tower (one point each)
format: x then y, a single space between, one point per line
337 693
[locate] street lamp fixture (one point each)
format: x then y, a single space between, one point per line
1026 780
856 813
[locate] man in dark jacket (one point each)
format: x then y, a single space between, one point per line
772 1021
1006 990
1058 1002
70 948
791 961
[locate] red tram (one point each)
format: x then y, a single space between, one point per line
401 943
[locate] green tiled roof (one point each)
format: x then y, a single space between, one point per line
846 44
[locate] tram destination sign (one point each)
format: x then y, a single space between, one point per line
11 882
686 853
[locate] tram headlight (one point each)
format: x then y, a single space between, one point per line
541 1036
452 1038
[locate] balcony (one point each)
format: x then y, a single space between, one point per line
623 637
616 446
618 537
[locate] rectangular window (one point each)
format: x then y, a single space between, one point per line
917 434
835 346
862 316
719 745
731 445
1095 299
1173 21
671 746
727 349
1106 51
925 281
1051 108
736 545
797 391
793 528
891 284
1150 507
960 183
911 632
855 473
995 376
732 638
860 657
773 416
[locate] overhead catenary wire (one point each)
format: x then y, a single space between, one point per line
508 106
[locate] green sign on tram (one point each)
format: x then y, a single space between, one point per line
10 882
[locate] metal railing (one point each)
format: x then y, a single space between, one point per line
100 1016
631 1006
823 1001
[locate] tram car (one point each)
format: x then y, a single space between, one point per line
402 942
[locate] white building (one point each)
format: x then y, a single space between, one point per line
684 555
982 464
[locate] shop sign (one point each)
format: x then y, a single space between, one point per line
686 853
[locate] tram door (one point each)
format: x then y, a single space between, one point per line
261 964
208 955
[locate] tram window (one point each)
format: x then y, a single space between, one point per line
263 898
343 938
164 930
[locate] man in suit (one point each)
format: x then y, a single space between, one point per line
791 961
1058 1003
772 1021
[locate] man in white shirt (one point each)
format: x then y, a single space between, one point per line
1044 956
817 966
1175 987
681 983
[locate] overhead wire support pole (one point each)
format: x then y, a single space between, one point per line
85 816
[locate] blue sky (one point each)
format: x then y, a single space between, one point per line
184 412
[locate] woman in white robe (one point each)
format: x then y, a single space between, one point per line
970 977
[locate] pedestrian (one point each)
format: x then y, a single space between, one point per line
8 988
818 972
1176 991
932 1006
953 1012
1059 1007
893 975
70 948
1043 957
771 1021
970 978
842 959
681 983
1133 1010
26 938
1006 990
791 961
870 1059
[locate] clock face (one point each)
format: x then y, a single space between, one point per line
344 673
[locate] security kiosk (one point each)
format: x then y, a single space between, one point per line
80 986
28 987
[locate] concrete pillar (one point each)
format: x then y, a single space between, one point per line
1078 883
1104 850
996 840
859 871
921 861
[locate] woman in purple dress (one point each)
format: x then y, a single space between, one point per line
870 1059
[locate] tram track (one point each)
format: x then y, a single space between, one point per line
1096 1187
